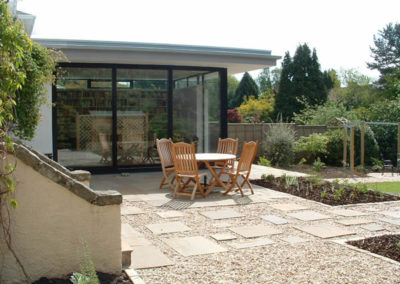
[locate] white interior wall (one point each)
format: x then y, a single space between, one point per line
43 141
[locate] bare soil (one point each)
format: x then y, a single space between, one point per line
325 192
103 277
385 245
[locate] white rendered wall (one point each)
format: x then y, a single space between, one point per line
43 141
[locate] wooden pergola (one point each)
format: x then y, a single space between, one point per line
351 125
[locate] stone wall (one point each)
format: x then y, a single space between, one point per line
55 216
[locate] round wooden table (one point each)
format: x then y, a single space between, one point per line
208 158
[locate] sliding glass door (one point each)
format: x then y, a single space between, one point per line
108 117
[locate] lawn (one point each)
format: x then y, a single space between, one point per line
385 186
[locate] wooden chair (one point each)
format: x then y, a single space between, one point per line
167 163
187 172
227 146
243 168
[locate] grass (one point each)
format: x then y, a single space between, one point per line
385 186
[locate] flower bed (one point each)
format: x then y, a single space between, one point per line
332 193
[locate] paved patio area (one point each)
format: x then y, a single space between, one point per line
268 237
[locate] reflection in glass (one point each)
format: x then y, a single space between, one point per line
141 115
83 124
196 108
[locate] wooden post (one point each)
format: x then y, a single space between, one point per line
352 150
362 144
398 141
344 147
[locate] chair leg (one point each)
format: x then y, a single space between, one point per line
162 182
193 192
234 181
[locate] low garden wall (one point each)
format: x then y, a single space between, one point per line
56 215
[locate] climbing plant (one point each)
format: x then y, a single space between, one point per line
25 67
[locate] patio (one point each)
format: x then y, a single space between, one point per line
265 237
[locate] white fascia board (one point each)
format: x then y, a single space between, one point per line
235 59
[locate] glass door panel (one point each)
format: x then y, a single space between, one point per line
142 100
196 108
84 120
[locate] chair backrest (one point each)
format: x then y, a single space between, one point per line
247 157
228 146
164 152
184 156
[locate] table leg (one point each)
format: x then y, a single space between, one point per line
216 176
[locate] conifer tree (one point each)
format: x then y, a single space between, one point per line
301 83
247 87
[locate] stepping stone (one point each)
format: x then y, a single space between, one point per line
393 214
353 221
275 219
194 246
294 240
255 231
324 231
128 231
221 214
136 241
170 214
347 212
373 227
251 243
166 228
223 237
148 257
390 221
131 210
288 206
308 215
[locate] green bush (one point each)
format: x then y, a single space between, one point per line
278 146
311 147
318 165
371 146
264 162
334 148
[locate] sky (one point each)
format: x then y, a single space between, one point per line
341 31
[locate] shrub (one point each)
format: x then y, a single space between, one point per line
264 162
371 146
318 165
334 148
311 147
233 116
256 110
278 146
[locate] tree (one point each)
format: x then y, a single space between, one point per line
264 80
386 52
301 83
247 87
233 83
331 79
256 110
386 55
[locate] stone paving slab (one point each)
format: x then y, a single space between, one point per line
222 214
194 246
353 221
223 237
222 225
308 215
168 227
128 231
170 214
251 243
373 227
131 210
293 240
390 221
275 219
324 231
148 257
347 212
254 231
288 206
393 214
